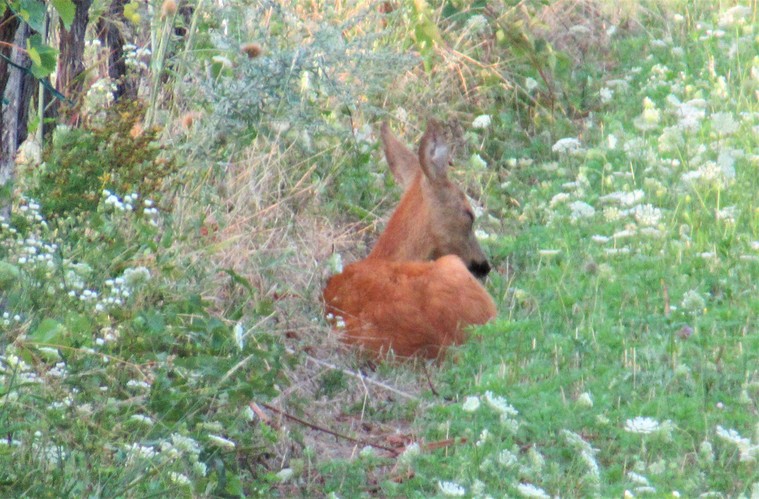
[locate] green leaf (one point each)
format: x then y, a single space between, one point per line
66 10
43 57
48 331
31 11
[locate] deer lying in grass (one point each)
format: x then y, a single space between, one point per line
397 299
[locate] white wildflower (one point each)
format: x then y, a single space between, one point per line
600 239
530 83
581 209
477 23
477 162
606 94
179 478
724 123
221 442
507 458
548 253
693 302
481 122
624 198
139 385
649 118
558 198
646 214
734 16
691 113
284 474
141 418
530 490
642 425
567 145
471 404
585 399
451 489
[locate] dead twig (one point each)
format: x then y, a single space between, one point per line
316 427
358 375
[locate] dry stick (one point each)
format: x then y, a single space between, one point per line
325 430
356 375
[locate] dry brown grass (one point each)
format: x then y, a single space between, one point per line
273 231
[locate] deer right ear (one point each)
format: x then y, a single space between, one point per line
403 163
434 156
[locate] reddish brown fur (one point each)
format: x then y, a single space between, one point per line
396 299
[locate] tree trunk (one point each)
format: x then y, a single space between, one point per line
70 61
16 88
110 33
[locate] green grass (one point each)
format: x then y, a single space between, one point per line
624 357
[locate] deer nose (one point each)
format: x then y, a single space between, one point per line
479 269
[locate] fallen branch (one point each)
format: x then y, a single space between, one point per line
313 426
358 375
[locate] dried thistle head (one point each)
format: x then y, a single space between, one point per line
252 49
168 8
189 118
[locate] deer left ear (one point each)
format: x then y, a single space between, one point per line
403 163
434 155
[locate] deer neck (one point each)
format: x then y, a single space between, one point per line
406 236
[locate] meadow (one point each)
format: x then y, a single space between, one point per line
160 277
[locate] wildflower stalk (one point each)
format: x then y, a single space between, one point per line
161 44
188 47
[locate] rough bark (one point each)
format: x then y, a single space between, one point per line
70 62
16 88
111 27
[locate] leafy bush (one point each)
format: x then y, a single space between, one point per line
113 153
126 366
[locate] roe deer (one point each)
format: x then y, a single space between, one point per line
396 299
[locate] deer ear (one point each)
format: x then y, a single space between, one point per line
403 163
434 156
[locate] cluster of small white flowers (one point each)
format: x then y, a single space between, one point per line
724 123
113 200
477 24
150 211
749 452
179 478
500 404
135 384
477 162
642 425
606 94
58 370
13 365
481 122
337 321
137 452
646 214
222 442
587 454
8 319
99 96
471 404
624 198
650 117
690 113
134 56
507 459
530 490
580 210
568 145
142 419
693 302
451 489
